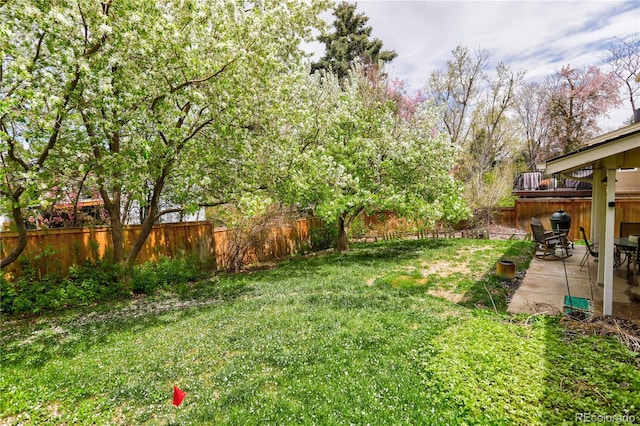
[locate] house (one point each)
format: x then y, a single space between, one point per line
575 184
89 212
614 161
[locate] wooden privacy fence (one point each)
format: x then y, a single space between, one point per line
55 250
274 242
627 210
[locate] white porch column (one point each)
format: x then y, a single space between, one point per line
598 210
610 216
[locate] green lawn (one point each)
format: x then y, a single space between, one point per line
391 333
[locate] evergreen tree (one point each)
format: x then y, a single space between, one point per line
350 44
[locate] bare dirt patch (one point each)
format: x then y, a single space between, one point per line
450 266
445 268
449 295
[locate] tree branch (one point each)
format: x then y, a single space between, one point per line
185 110
355 213
182 209
84 25
58 121
94 49
192 82
204 79
193 133
22 236
98 45
11 152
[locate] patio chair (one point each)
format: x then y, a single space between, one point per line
566 239
536 221
591 249
547 242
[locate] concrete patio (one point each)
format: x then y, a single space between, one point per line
545 286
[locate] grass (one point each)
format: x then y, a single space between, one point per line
389 333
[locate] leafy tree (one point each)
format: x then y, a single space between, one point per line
350 44
208 71
575 99
353 151
156 94
364 143
41 65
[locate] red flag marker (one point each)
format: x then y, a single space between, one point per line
178 396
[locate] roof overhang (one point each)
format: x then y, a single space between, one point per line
622 145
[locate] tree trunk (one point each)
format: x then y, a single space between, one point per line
151 216
117 237
74 222
22 237
115 220
343 234
147 225
344 222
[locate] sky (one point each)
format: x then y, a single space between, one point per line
539 37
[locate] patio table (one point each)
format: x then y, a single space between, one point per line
629 250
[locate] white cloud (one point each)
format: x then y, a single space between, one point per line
537 36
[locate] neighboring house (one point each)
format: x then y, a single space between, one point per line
536 184
5 221
628 182
88 212
133 218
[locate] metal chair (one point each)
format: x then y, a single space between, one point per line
591 249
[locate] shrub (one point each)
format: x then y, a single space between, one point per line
166 273
323 236
92 282
86 284
248 231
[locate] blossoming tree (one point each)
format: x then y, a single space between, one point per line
141 92
357 148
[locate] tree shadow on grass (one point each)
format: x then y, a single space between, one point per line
381 254
34 341
393 251
568 373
